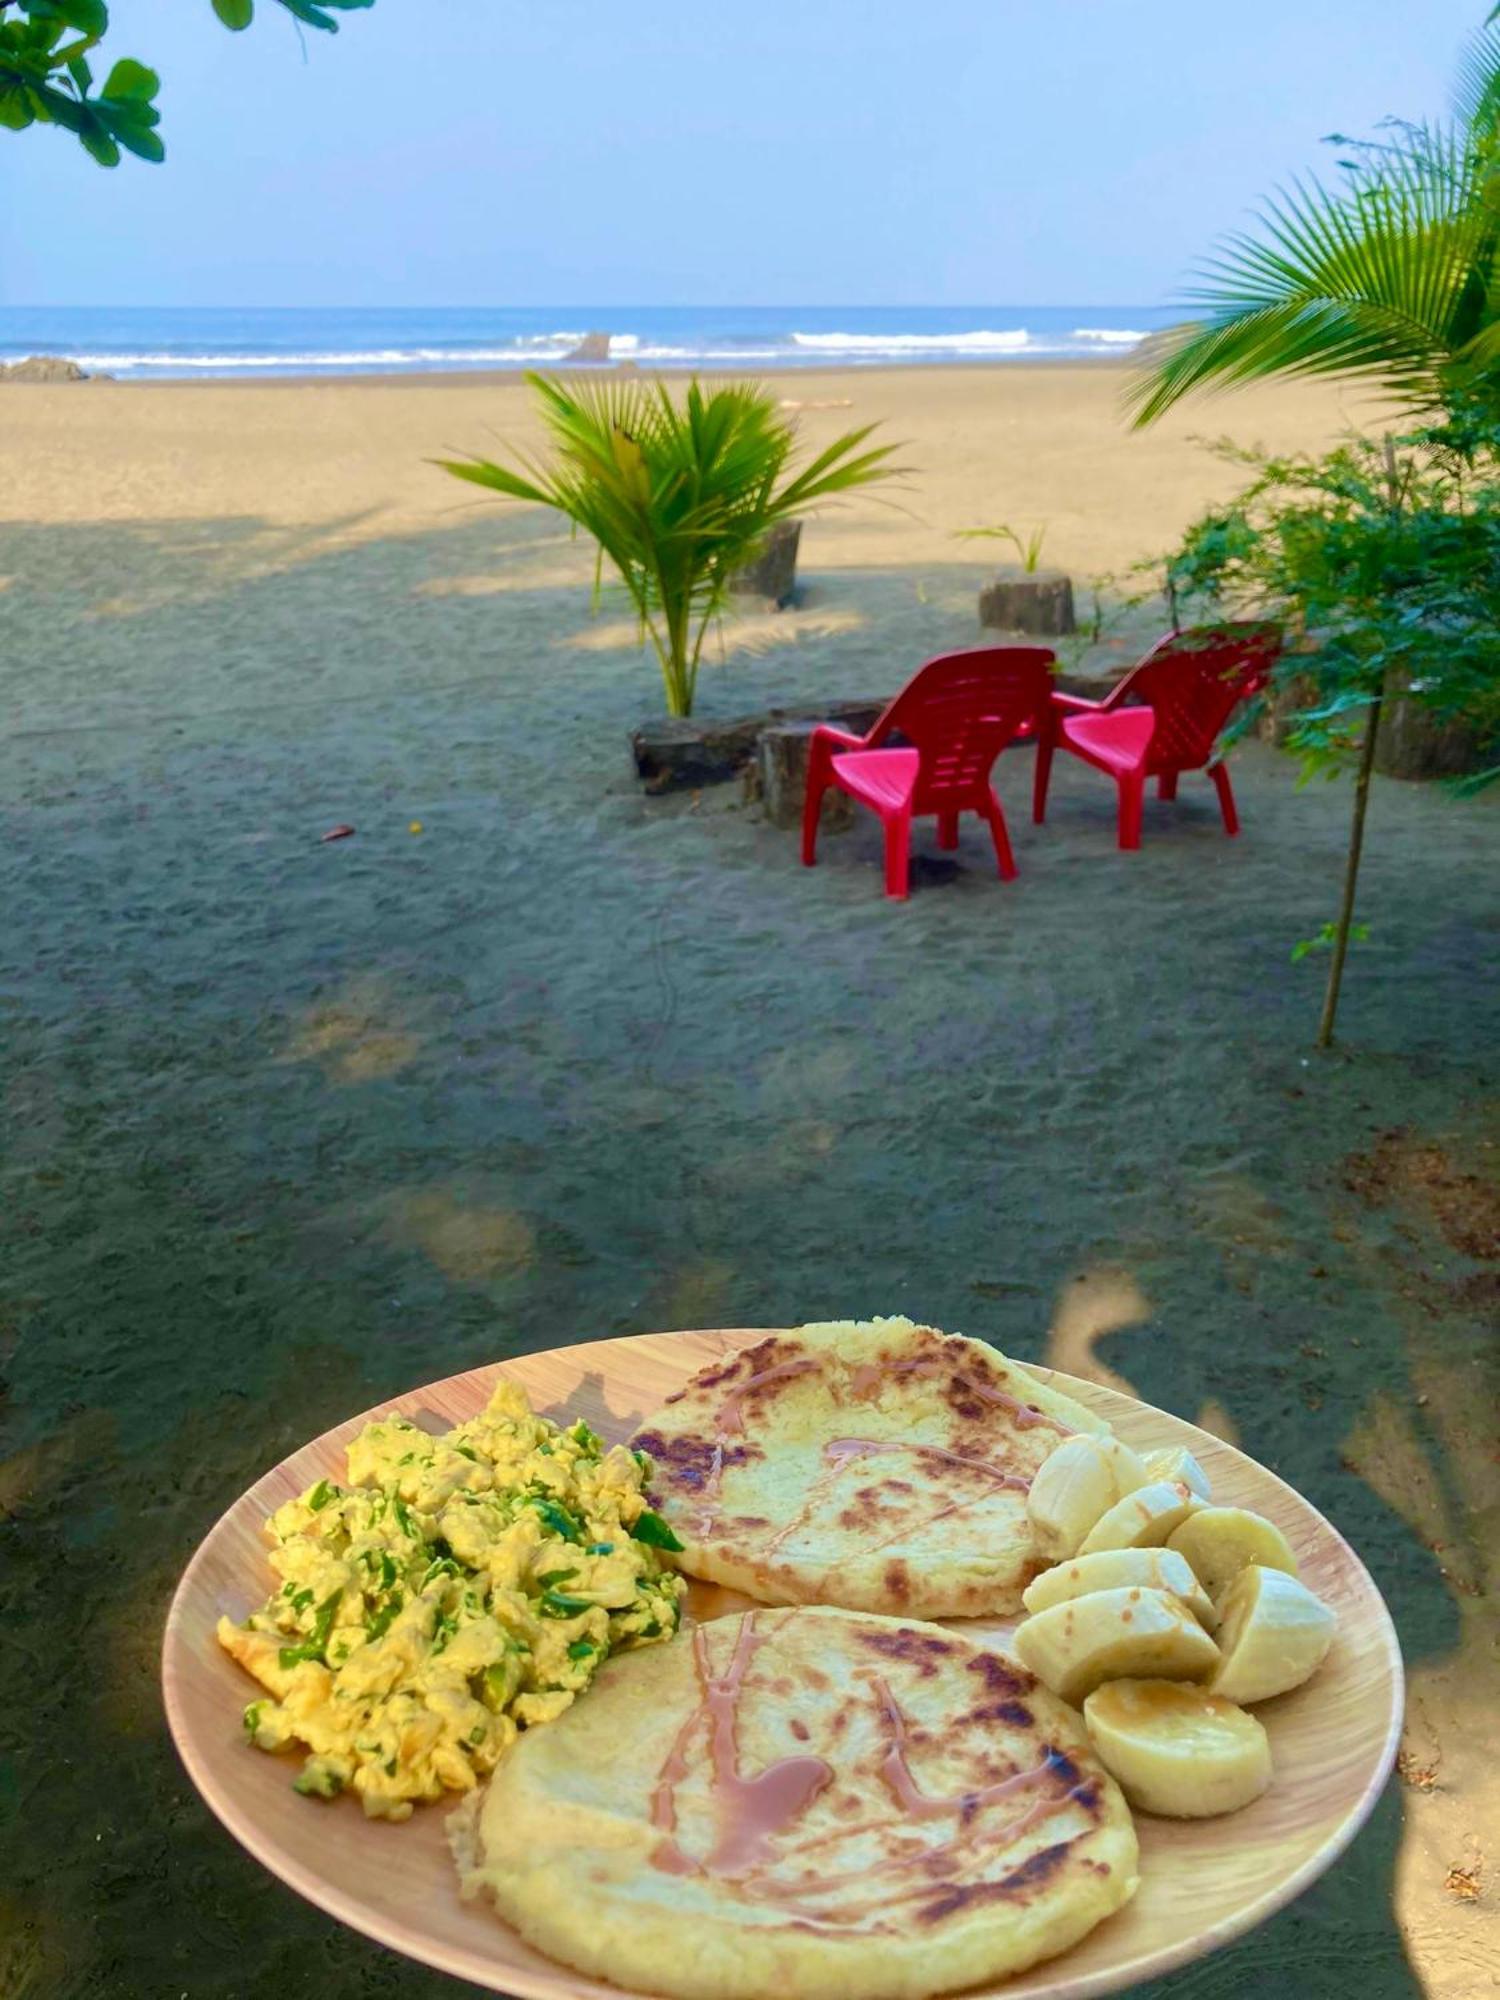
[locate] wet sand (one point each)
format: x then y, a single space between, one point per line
290 1126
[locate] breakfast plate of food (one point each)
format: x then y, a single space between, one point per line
849 1660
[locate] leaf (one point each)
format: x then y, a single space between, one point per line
15 108
141 141
98 142
314 17
81 74
89 17
131 82
235 14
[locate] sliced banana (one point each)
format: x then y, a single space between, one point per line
1177 1462
1110 1634
1121 1569
1071 1489
1128 1466
1274 1634
1176 1750
1082 1479
1143 1519
1221 1541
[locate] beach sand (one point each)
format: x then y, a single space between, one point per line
1030 445
291 1126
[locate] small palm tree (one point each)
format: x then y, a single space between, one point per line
678 495
1396 277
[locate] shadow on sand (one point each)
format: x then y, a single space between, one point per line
293 1125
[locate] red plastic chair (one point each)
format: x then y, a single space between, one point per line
955 715
1164 718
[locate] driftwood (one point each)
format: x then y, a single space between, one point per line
673 752
1039 605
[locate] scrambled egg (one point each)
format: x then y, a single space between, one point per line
457 1590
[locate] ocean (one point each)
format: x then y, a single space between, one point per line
146 344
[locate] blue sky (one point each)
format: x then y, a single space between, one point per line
521 152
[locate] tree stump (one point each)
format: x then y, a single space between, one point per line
1039 605
781 760
673 752
772 571
1416 742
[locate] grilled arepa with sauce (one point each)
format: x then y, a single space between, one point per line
879 1466
807 1803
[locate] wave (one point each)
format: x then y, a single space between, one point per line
536 347
983 342
705 347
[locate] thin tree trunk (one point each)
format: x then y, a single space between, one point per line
1361 801
1351 876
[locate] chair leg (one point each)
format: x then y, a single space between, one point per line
1041 777
1004 858
1132 795
1166 785
948 830
812 809
1220 775
897 853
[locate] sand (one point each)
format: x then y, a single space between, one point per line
293 1125
1033 445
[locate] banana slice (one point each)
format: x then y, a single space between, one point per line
1122 1569
1143 1519
1177 1751
1128 1466
1071 1489
1081 1480
1177 1462
1221 1541
1274 1634
1112 1634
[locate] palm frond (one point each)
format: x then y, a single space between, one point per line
1476 84
1388 279
1394 276
677 493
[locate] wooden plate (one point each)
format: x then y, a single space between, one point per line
1203 1882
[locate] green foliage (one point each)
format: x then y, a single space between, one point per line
1394 275
1386 559
1029 550
678 495
47 79
1326 938
1386 555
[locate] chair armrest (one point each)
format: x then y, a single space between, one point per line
826 737
1077 704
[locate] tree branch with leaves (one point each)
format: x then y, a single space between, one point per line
1386 554
47 77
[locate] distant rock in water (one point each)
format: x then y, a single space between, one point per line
46 368
592 347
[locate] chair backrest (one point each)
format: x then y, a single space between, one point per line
960 710
1193 681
